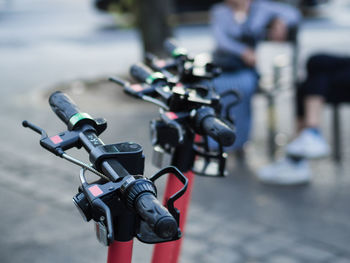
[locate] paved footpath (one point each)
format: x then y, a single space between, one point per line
233 219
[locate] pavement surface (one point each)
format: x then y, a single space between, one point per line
67 45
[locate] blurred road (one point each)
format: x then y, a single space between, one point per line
45 44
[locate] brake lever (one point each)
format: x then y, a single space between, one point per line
119 81
132 90
155 101
136 91
52 144
160 65
35 128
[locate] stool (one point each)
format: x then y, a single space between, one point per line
337 152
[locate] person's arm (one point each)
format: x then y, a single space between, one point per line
220 21
284 12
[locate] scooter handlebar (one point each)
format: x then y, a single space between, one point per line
140 72
218 130
169 46
207 123
173 49
156 215
63 106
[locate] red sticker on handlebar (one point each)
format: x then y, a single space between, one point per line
95 190
136 87
161 63
56 139
171 115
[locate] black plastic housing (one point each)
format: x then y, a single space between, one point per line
128 154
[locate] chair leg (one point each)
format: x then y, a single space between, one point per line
336 133
271 127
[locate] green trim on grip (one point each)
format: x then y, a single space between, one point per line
156 75
77 117
179 52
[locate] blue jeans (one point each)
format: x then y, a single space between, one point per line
245 82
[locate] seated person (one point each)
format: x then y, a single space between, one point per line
328 80
238 26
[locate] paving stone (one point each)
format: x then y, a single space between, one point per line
341 260
221 255
246 228
193 247
282 259
227 239
196 229
266 244
312 253
281 239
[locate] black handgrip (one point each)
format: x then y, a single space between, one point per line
170 46
156 215
218 130
140 72
174 50
63 106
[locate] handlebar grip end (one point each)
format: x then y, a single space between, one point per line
156 216
25 123
141 196
166 227
207 123
219 131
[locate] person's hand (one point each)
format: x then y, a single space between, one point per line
278 30
248 57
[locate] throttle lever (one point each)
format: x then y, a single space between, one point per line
170 118
108 237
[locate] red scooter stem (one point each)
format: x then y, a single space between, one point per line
169 252
120 252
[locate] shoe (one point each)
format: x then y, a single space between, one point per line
308 144
286 171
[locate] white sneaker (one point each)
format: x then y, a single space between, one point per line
308 145
286 171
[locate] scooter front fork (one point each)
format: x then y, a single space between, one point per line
120 252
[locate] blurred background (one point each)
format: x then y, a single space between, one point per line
74 46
